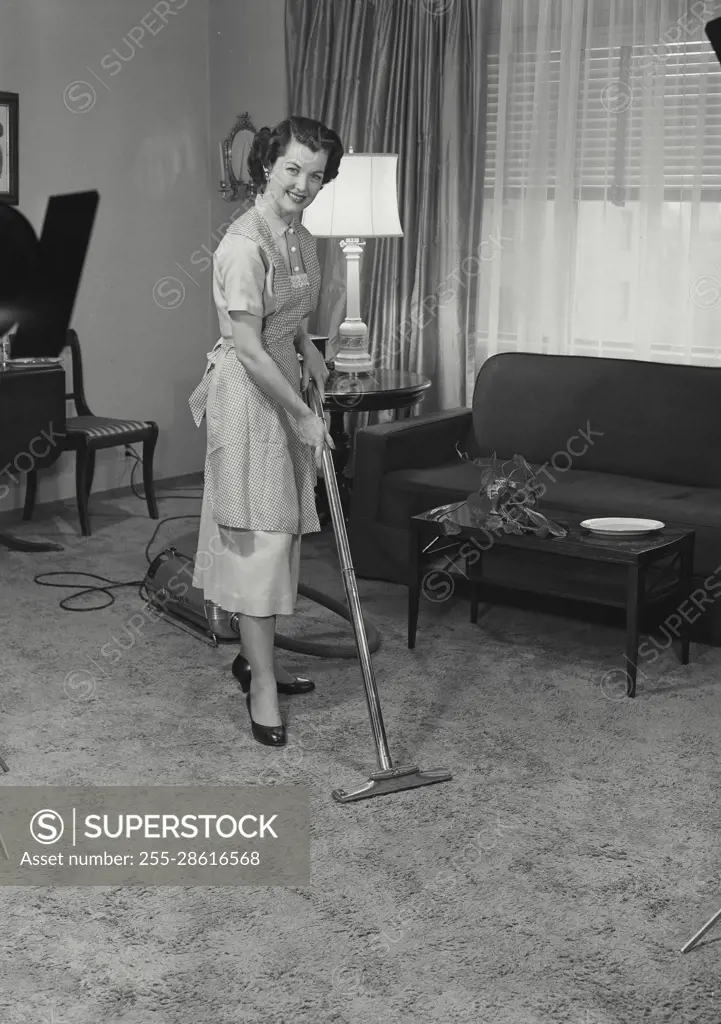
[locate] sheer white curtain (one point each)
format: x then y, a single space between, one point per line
603 182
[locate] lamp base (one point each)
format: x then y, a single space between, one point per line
352 360
353 355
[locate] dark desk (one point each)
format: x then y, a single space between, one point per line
32 430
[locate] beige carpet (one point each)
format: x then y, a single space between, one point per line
553 881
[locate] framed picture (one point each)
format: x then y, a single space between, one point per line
9 148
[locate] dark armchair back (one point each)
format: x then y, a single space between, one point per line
655 421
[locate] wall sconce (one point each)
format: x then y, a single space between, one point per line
233 188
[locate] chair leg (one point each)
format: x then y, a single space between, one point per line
148 452
83 458
31 487
90 472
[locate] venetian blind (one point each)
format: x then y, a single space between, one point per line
640 115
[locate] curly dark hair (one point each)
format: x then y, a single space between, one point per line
269 143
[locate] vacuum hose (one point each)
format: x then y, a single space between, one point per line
286 643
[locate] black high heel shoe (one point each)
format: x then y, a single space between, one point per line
241 671
270 735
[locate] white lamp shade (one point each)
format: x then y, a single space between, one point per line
362 202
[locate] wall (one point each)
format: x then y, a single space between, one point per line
247 74
132 99
134 126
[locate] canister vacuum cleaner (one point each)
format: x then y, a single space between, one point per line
168 587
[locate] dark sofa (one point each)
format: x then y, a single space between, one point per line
616 437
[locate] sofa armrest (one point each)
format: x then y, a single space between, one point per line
409 444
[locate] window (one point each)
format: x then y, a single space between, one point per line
642 117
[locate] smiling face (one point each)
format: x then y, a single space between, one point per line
296 179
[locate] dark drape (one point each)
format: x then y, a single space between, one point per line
405 77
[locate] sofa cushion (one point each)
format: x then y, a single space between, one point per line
408 492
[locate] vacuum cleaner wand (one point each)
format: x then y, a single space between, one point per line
388 779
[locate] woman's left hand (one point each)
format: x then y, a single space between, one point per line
314 369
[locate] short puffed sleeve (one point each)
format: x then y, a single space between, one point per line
243 277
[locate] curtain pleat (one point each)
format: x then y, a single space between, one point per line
405 77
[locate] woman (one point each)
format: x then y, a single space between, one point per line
260 470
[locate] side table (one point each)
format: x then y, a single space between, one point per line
365 392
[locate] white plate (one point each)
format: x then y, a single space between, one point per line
622 527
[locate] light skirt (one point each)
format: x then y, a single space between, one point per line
252 572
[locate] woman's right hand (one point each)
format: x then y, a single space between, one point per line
314 433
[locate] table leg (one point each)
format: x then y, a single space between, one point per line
414 583
322 505
474 579
687 587
632 629
341 453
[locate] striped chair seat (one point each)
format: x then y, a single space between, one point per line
96 427
86 435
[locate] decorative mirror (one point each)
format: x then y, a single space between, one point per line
234 153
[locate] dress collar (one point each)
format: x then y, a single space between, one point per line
276 223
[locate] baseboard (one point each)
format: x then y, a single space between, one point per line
190 480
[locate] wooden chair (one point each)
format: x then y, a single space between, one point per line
86 434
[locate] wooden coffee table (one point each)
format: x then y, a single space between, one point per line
652 571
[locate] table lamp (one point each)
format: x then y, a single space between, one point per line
362 202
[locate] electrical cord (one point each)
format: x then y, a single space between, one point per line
283 642
113 584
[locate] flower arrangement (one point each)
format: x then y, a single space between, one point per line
507 500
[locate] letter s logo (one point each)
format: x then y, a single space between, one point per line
46 827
